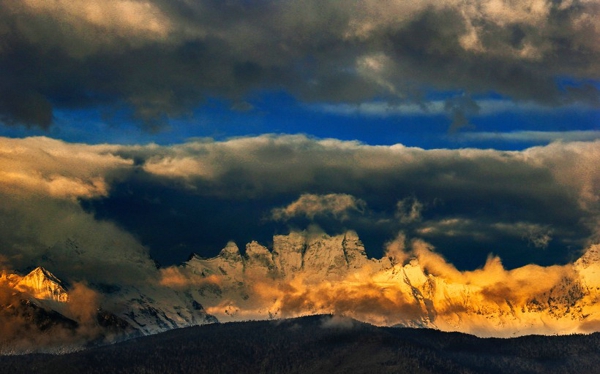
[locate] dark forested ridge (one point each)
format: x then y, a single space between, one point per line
320 344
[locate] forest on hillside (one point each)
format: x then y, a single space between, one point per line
320 344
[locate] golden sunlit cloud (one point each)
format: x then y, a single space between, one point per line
46 167
111 18
310 205
411 285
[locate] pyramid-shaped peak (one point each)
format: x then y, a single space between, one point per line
43 273
42 284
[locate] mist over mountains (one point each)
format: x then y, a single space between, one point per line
306 273
411 285
41 314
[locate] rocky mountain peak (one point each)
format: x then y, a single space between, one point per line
325 256
254 249
288 252
286 244
231 252
354 249
259 260
43 285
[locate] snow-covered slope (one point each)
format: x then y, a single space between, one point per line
148 308
305 274
151 309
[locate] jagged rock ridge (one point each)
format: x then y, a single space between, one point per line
305 274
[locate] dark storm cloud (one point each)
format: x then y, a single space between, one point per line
161 59
539 205
113 206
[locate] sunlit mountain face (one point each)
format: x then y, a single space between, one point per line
173 163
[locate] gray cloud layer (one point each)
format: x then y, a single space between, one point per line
163 58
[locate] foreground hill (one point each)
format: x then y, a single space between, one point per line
321 344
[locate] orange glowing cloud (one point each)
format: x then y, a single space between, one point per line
411 285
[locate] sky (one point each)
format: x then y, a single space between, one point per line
135 131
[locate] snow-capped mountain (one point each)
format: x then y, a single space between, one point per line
305 274
43 285
125 310
151 309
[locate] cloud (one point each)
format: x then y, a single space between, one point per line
310 205
461 108
173 277
336 322
466 193
395 250
539 238
43 223
409 210
122 199
570 166
46 167
162 59
116 18
531 136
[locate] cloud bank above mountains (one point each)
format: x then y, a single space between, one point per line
161 59
97 210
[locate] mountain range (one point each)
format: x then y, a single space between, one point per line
315 274
306 274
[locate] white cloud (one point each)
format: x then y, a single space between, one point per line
165 58
452 227
538 236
